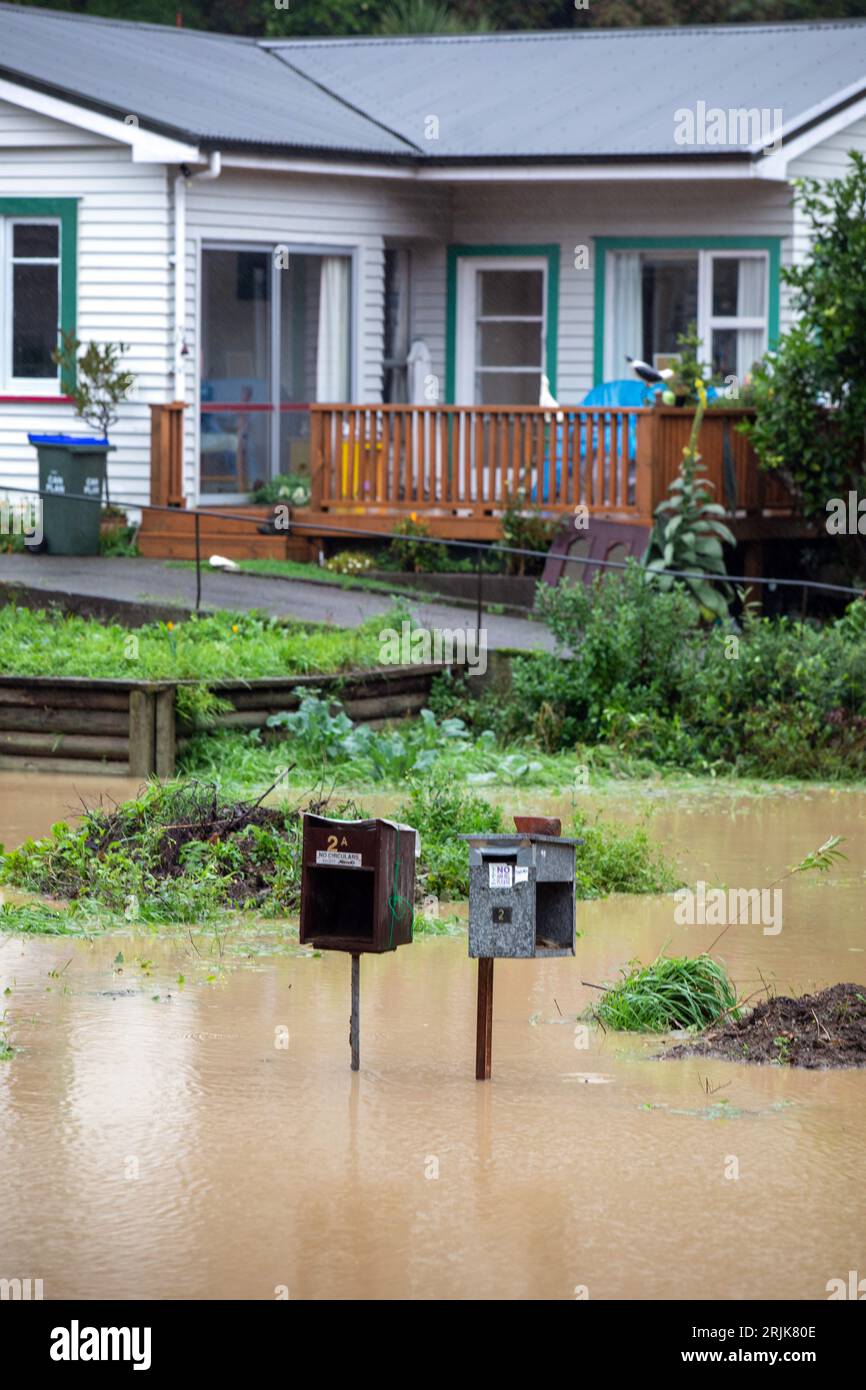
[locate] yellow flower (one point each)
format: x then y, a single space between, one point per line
235 627
170 627
413 516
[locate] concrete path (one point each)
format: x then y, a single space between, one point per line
148 581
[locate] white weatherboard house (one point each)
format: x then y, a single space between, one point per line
268 224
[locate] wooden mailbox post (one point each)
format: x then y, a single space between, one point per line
357 893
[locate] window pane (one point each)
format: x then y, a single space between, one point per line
395 385
670 302
725 281
507 388
725 351
34 320
509 345
236 366
510 292
35 239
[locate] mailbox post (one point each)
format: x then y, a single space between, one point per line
357 893
521 906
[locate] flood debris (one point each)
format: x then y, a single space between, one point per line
179 852
827 1029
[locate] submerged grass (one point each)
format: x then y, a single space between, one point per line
672 992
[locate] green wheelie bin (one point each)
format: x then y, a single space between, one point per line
71 471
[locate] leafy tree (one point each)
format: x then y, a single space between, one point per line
99 385
429 17
810 392
350 17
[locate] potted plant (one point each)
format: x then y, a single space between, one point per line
72 468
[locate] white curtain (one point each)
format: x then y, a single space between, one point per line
751 304
332 355
626 314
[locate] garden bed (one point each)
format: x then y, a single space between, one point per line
133 728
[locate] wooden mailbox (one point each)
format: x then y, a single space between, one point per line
357 885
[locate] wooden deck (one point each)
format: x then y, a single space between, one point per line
455 468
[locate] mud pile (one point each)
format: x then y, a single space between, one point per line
817 1030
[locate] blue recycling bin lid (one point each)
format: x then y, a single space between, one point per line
69 441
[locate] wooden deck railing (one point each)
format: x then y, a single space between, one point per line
471 459
466 461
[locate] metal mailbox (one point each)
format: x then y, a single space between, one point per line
357 885
521 895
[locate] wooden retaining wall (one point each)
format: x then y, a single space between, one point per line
129 728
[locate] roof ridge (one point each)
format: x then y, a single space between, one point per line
411 147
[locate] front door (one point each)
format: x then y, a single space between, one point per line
501 329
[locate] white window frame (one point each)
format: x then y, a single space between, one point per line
736 322
25 385
466 365
706 320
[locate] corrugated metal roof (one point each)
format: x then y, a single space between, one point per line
590 94
205 86
587 94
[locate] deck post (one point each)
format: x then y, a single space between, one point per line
645 469
317 462
166 454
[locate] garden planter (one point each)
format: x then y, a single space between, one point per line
71 471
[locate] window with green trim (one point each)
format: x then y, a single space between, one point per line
648 293
37 291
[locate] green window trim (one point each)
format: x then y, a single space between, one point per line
552 253
66 211
772 245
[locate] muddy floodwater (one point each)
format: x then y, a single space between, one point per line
157 1140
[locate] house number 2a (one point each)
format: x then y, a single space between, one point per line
332 842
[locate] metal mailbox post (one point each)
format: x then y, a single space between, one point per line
521 906
357 893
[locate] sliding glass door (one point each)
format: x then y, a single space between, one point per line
275 336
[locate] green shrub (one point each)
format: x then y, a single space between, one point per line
635 672
613 858
440 810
